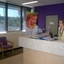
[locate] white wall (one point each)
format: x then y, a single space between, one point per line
13 36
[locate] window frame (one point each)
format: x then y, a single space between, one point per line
25 9
5 17
20 16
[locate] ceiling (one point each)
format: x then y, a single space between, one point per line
40 2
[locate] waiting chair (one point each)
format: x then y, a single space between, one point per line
4 45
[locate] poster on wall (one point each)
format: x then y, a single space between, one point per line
31 23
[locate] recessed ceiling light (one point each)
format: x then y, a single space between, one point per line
30 2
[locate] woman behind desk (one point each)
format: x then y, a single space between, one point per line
61 29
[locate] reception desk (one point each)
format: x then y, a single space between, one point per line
37 51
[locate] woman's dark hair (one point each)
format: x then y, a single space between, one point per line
62 20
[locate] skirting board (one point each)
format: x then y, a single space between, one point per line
11 49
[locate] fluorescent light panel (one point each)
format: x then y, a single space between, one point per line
30 2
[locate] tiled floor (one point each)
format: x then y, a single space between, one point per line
9 53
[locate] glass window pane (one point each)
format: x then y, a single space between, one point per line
2 17
24 10
14 18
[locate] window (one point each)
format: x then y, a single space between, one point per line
2 18
10 17
24 10
14 18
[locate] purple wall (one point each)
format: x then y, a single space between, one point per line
57 9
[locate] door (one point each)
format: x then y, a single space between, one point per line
52 22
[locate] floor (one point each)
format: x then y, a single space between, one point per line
9 53
17 59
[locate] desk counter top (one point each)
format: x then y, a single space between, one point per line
53 47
